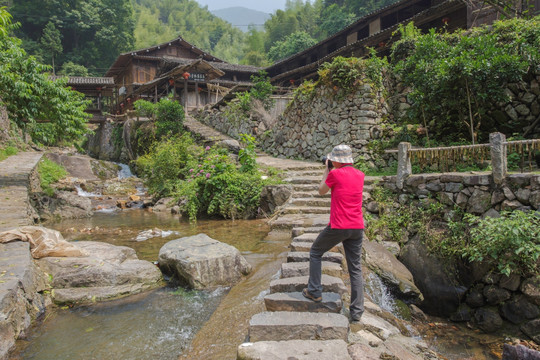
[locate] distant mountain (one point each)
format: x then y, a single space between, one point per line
242 17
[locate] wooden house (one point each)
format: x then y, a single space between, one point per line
178 69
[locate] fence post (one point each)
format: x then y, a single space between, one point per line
498 156
404 164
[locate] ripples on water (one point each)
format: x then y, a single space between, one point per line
156 325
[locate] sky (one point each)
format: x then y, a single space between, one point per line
267 6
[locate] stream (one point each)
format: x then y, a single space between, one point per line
176 323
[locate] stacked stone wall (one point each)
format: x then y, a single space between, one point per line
489 300
522 109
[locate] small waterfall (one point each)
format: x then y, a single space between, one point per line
379 293
81 192
124 172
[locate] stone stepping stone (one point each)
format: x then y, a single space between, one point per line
302 269
297 231
306 237
303 256
295 301
294 349
306 246
306 210
310 201
287 325
311 180
298 283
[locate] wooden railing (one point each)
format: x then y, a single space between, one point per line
448 158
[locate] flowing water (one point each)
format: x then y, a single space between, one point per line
162 323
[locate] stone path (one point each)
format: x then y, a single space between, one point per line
15 209
20 283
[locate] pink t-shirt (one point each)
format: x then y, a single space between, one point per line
347 184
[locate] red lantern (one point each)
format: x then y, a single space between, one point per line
98 88
291 81
128 100
382 44
171 82
445 20
122 105
185 75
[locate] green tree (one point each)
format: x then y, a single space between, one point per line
51 41
48 110
71 69
291 45
335 18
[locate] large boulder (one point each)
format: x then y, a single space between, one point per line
108 271
436 280
273 196
201 262
62 205
400 280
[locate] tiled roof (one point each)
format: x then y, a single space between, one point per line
86 80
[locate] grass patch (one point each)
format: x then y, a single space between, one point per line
7 152
49 173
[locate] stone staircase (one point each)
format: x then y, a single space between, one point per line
294 327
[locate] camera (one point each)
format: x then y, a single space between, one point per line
324 158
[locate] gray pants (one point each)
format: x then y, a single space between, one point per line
352 243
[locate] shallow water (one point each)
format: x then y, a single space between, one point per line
162 323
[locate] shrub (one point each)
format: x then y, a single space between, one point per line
7 151
510 243
167 113
247 156
49 173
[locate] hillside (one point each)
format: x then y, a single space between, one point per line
242 17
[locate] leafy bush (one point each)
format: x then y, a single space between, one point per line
247 156
207 180
167 113
165 164
262 89
510 243
458 78
49 173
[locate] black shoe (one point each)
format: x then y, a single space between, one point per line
307 295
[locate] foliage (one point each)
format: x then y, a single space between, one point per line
168 114
247 155
510 243
51 41
7 151
92 32
457 78
397 222
49 173
349 73
207 179
158 21
31 97
69 68
334 18
165 164
262 89
292 44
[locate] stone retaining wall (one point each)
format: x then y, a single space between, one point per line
488 300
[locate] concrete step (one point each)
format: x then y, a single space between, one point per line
295 301
311 202
306 172
298 283
288 325
302 269
306 210
306 246
294 349
297 231
303 256
306 187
